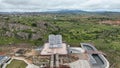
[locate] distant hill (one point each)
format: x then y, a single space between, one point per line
67 11
63 11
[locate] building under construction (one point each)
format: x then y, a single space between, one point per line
62 55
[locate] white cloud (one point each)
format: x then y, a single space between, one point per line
41 5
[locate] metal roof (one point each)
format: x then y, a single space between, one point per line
55 41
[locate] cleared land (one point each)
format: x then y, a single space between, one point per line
17 64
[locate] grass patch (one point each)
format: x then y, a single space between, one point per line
17 64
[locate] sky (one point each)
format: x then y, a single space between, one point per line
50 5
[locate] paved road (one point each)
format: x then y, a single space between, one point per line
80 64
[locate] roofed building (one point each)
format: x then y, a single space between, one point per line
54 46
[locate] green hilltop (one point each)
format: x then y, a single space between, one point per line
99 29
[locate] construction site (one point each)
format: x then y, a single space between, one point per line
56 54
62 55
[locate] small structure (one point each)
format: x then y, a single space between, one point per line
96 58
55 41
3 60
20 52
54 46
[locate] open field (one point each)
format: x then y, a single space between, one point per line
17 64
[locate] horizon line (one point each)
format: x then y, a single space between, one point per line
57 10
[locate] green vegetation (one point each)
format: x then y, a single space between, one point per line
17 64
74 28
